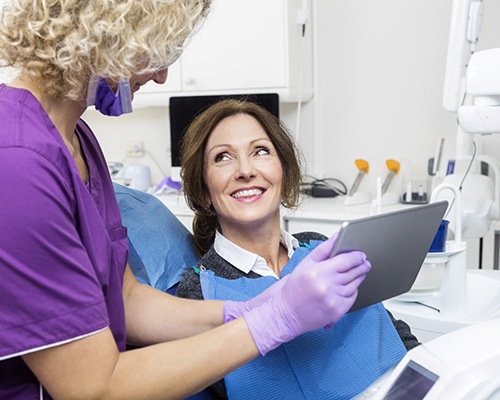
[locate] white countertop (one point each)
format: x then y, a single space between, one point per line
314 208
176 203
334 209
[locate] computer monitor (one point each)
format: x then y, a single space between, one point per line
183 109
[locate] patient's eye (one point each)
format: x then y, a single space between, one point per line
224 156
262 151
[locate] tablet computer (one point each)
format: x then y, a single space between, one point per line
396 244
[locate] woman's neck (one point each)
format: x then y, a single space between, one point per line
264 240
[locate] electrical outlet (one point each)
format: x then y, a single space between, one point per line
135 149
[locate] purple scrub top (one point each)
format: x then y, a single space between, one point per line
63 248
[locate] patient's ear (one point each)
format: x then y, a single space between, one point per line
208 200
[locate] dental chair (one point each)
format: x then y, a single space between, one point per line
160 246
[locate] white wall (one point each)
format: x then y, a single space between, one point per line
380 82
379 68
149 125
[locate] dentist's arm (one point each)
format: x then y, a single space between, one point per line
318 293
92 368
154 316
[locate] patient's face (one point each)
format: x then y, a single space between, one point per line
243 174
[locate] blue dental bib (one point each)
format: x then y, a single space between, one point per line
335 364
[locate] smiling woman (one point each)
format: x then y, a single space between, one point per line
239 164
244 177
241 145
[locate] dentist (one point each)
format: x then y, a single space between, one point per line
69 304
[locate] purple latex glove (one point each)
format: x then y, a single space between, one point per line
317 294
235 309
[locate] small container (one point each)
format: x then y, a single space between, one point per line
415 190
137 177
438 245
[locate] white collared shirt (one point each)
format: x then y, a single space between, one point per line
247 261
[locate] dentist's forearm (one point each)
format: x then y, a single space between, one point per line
92 367
153 316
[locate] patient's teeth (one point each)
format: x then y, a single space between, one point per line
247 193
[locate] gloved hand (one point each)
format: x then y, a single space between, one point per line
317 293
235 309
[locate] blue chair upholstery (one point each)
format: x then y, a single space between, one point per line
160 246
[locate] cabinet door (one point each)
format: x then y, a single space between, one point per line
242 45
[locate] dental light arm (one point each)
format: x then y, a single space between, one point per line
482 86
482 115
472 90
465 26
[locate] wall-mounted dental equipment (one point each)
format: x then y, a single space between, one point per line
482 86
135 176
472 90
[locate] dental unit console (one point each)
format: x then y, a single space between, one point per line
462 365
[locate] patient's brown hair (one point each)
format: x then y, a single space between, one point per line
193 154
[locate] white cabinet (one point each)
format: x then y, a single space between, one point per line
7 74
154 95
322 215
244 46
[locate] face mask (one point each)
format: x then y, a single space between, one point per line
106 101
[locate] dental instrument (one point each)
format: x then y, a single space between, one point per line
363 168
393 167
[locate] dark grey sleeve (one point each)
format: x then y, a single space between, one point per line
190 287
308 236
404 331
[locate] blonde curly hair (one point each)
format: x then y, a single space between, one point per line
62 43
